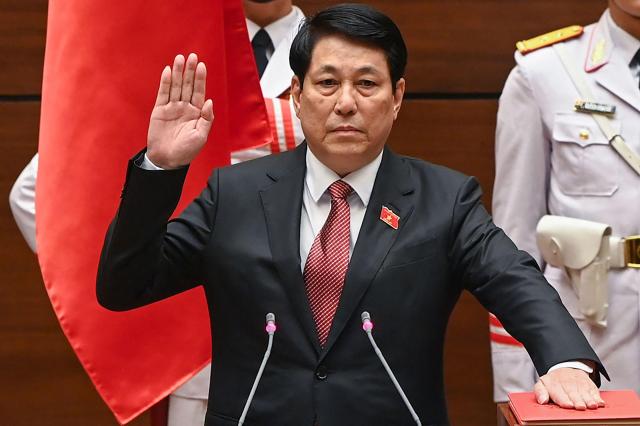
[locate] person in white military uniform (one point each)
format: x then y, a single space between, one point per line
554 157
22 200
271 26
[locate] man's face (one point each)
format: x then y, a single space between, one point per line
346 106
630 7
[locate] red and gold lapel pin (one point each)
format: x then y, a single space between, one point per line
389 217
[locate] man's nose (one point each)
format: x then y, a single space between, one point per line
346 103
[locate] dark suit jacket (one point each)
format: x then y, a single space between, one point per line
240 239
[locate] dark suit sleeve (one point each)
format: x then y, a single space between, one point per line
508 283
146 257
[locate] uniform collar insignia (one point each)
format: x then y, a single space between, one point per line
600 47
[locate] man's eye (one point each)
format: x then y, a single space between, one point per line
367 83
328 82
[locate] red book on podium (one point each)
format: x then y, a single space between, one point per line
622 407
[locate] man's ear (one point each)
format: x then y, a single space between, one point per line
296 91
398 95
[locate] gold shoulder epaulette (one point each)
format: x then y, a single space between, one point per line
544 40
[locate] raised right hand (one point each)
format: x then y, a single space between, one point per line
181 119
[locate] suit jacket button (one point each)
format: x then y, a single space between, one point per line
321 373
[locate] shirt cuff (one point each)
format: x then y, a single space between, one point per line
572 364
148 165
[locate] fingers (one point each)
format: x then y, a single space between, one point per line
575 394
592 397
185 81
583 392
569 388
189 76
592 402
176 78
556 392
165 86
542 396
595 393
203 125
197 98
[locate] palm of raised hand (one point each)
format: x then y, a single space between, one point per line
173 127
181 119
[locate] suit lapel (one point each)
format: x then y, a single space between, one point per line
392 188
282 204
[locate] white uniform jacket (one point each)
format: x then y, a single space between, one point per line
22 200
551 159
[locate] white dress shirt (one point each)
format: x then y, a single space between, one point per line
277 30
316 201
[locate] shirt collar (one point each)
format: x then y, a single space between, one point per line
319 177
277 30
625 44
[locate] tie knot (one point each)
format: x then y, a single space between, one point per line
262 39
340 190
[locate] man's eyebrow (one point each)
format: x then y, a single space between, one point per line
327 68
368 69
365 69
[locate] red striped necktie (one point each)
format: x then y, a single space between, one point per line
328 260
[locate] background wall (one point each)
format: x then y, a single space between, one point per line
460 52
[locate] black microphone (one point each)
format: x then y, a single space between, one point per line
270 329
367 326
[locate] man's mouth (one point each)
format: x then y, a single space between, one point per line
346 128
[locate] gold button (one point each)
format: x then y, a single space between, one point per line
584 134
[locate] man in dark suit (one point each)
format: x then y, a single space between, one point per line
338 226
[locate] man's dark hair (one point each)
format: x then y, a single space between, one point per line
356 22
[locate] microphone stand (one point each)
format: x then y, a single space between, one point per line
367 326
270 329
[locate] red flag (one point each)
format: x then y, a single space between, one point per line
102 68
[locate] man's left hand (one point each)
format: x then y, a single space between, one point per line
568 388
